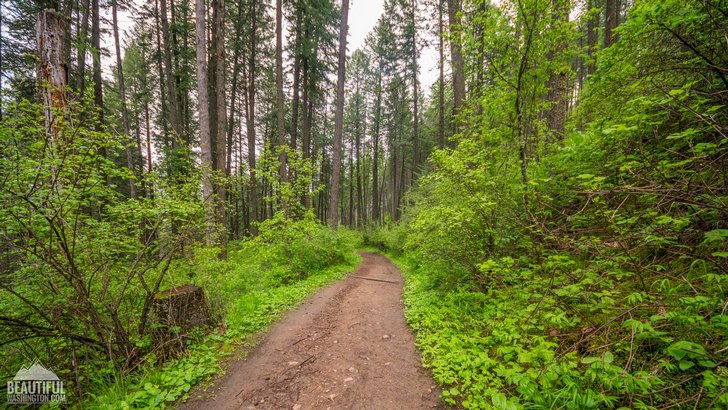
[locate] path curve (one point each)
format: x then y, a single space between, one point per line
346 347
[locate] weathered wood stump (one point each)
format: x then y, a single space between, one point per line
182 306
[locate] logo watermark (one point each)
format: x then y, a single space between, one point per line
35 385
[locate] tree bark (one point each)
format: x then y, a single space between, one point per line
415 93
456 55
96 45
122 95
441 90
559 79
221 120
171 88
203 107
339 118
375 159
83 46
280 120
591 35
611 20
52 71
250 121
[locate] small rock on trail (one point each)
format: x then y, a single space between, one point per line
331 353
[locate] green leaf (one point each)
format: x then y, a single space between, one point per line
720 254
685 364
589 360
608 357
707 363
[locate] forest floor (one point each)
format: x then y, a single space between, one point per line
346 347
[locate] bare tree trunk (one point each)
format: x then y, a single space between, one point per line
441 91
203 107
456 54
611 20
559 80
122 96
358 131
83 46
415 94
250 122
220 140
53 70
281 129
296 82
591 35
96 45
162 76
339 118
307 118
169 73
375 160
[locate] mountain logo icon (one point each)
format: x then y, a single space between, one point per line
35 372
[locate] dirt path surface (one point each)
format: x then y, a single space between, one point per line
346 347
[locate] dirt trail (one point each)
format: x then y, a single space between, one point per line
346 347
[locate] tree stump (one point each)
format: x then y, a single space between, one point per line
182 306
176 312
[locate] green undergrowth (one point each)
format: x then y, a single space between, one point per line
522 346
260 280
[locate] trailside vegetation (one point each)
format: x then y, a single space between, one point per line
582 267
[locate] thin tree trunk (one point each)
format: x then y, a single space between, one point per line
441 90
169 74
339 118
279 92
221 120
415 94
250 121
591 35
204 115
83 47
558 81
375 160
96 45
162 76
611 18
456 55
122 95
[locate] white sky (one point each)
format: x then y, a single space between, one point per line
363 15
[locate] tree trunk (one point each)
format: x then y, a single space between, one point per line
203 107
280 123
306 131
82 47
339 118
171 88
415 94
559 79
250 121
96 45
456 54
53 70
441 90
375 159
162 76
611 20
591 35
221 120
122 96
